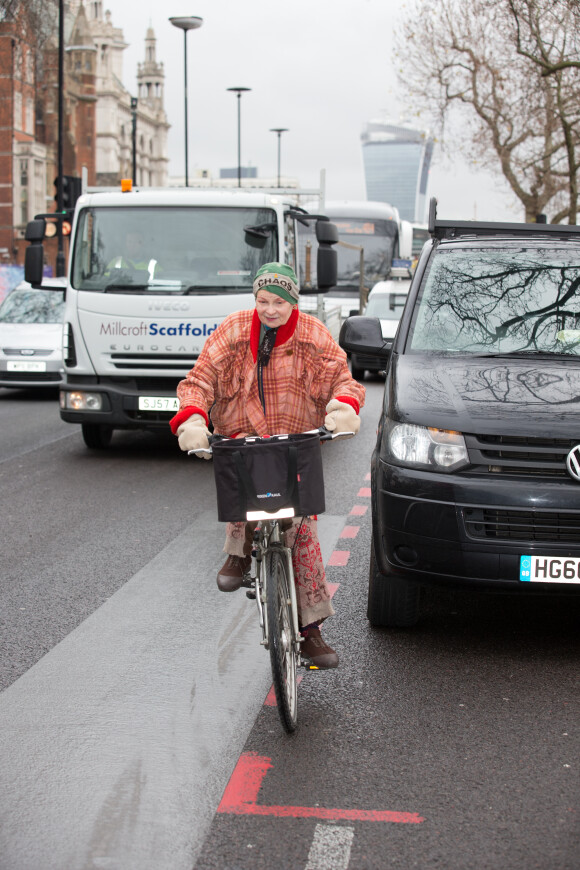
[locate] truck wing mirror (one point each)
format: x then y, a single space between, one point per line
327 258
364 335
34 255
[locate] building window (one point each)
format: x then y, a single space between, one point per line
18 62
29 117
29 67
23 191
17 110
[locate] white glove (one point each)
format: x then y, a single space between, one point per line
193 434
341 417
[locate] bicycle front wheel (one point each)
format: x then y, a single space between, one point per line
283 655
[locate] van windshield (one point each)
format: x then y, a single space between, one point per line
171 250
25 305
500 301
387 306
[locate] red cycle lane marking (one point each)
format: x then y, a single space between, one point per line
364 492
368 475
359 510
350 532
241 798
339 557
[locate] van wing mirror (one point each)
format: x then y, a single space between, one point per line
364 335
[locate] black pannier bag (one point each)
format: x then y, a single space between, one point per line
267 474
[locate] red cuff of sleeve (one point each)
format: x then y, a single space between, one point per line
349 401
184 415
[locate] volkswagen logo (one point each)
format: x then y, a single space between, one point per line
573 463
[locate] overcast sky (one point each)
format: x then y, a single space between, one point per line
321 68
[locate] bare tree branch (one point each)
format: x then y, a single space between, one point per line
497 62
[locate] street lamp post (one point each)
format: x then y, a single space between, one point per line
279 131
134 138
239 92
185 23
60 261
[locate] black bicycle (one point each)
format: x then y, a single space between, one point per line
270 581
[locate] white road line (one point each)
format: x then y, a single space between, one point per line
330 849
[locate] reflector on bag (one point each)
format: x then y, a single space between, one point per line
268 475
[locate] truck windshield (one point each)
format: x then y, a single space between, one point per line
522 300
170 250
376 236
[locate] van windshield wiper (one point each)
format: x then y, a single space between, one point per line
519 353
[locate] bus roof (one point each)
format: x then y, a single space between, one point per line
363 209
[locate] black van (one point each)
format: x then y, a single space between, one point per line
476 470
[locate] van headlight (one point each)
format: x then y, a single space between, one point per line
425 447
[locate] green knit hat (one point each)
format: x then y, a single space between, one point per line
278 278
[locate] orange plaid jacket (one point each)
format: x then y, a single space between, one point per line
307 369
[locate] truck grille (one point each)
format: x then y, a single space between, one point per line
506 454
522 525
154 362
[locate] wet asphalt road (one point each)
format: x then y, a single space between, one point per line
461 735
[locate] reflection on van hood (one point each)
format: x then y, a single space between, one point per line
538 397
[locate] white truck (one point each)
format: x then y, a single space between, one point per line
135 317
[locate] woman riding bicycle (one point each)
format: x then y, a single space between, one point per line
268 370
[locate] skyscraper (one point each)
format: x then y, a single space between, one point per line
396 161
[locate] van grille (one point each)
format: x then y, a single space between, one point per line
33 377
522 525
506 454
17 351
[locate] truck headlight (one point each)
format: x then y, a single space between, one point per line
81 401
426 447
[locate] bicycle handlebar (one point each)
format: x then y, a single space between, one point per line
323 433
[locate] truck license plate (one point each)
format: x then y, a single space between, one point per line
17 366
549 569
158 403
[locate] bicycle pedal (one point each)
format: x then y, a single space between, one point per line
305 663
251 594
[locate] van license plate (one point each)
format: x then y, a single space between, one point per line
549 569
158 403
17 366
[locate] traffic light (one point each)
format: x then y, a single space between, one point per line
69 187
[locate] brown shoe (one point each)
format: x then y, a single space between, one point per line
318 653
232 573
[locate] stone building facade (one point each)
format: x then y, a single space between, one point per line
98 113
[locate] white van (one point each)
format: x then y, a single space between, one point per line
31 336
386 301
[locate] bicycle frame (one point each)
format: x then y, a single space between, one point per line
268 534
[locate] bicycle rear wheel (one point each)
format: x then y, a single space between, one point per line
283 655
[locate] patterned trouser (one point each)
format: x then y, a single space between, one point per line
314 604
